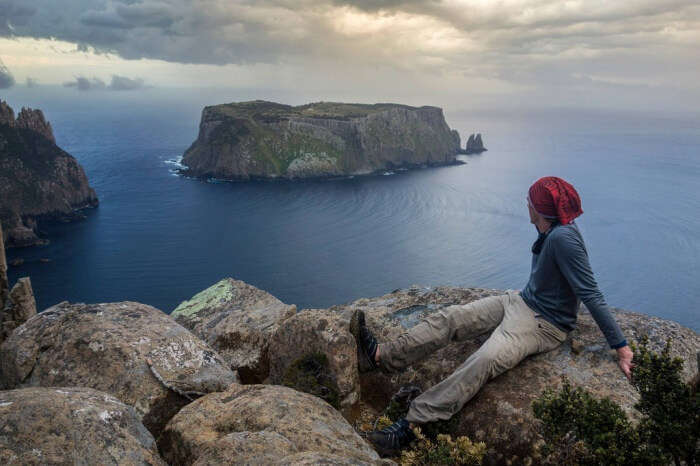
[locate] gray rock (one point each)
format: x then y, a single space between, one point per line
501 413
16 305
249 424
133 351
318 331
70 425
237 320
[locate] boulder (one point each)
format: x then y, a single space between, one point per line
501 414
130 350
260 424
71 426
312 332
237 320
16 305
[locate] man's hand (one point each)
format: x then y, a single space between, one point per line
624 360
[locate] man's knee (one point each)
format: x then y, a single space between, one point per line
500 357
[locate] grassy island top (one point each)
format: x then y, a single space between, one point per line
264 110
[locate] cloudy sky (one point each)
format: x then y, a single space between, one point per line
555 52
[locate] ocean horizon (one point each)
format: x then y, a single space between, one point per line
159 238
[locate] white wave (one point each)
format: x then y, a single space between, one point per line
176 162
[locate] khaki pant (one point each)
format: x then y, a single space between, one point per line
519 332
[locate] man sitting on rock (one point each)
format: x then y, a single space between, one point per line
533 321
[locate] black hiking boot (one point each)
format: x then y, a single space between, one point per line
389 441
366 343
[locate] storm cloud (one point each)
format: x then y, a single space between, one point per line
6 78
118 83
521 42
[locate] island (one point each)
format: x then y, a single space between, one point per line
39 181
260 139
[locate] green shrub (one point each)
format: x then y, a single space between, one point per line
671 409
580 429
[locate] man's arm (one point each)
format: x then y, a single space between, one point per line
572 259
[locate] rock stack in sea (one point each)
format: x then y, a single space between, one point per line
38 180
474 145
124 383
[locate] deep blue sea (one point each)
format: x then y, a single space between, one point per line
159 238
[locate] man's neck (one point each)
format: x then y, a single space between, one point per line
543 226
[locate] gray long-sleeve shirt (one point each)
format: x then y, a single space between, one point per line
561 277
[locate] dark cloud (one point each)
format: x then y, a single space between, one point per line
86 84
118 83
6 78
122 83
519 41
31 82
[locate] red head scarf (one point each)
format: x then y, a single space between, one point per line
553 198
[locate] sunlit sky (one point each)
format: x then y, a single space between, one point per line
624 53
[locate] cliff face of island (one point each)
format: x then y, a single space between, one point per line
269 140
38 180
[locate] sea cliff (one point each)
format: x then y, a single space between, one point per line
262 139
236 376
38 179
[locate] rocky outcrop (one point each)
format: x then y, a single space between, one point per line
38 180
16 305
474 145
261 424
33 120
237 320
501 414
71 426
315 331
131 350
268 140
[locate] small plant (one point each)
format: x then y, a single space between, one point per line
581 429
310 374
442 451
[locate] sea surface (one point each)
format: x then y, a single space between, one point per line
159 238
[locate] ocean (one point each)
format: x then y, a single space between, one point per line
159 238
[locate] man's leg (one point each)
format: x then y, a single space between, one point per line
519 335
453 323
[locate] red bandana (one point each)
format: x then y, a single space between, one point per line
553 197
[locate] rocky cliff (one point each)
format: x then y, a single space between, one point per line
110 382
38 180
269 140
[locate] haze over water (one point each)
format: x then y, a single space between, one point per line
158 238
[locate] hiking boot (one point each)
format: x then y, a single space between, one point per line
366 343
389 441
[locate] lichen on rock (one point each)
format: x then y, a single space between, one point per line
237 320
130 350
72 425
